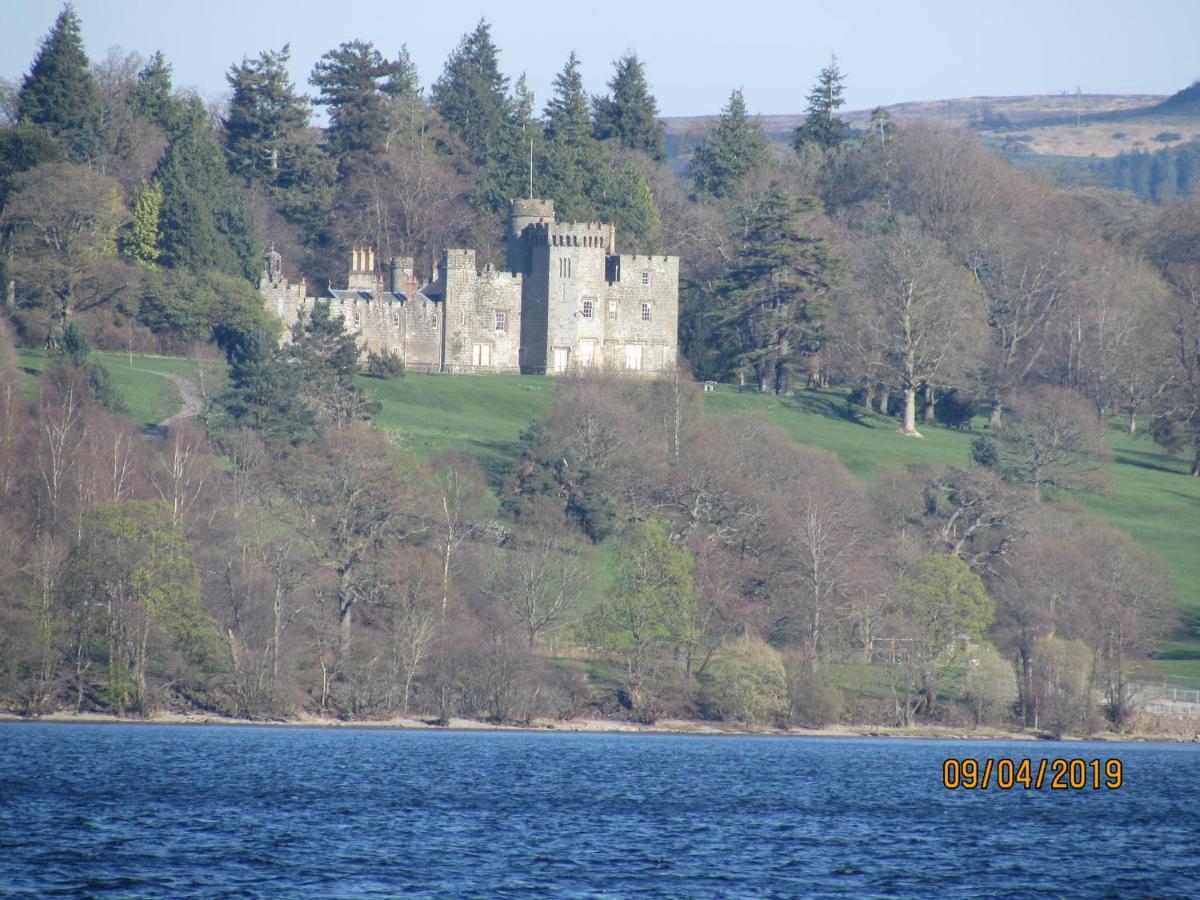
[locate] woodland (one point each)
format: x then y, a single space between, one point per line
634 556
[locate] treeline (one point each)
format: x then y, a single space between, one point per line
1159 175
640 559
645 560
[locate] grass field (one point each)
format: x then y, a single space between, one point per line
1154 500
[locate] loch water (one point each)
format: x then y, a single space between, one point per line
177 811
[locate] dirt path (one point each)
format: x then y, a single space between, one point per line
192 401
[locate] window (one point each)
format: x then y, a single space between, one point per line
395 320
645 312
645 279
481 355
612 310
633 356
587 352
501 320
561 357
588 308
462 317
564 268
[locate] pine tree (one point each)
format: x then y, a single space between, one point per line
567 112
472 96
734 147
151 98
265 118
630 113
774 300
204 223
821 125
59 95
353 81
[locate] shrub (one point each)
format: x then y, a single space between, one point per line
747 683
991 686
812 701
985 452
385 365
953 410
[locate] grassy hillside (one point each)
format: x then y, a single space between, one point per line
1154 501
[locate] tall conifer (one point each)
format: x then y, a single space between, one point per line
266 116
630 113
59 95
734 147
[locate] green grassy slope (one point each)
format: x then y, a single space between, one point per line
1154 501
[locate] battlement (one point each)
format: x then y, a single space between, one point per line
598 235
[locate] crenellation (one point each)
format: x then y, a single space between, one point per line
565 300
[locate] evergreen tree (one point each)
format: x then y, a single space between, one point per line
355 84
326 359
821 124
630 113
59 95
567 112
141 242
774 300
265 118
734 147
522 102
151 97
264 394
204 222
472 96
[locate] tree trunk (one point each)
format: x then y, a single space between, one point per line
1131 429
884 397
930 401
869 396
1196 464
909 427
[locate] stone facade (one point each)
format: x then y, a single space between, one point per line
566 300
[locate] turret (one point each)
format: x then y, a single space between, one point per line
523 214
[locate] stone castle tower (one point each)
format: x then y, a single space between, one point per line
565 300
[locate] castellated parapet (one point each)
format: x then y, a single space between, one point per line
565 300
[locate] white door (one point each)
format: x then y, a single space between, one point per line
587 350
482 355
633 356
561 355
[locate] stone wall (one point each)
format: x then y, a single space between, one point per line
483 315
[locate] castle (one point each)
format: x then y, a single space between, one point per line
565 300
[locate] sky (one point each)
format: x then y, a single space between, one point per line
695 53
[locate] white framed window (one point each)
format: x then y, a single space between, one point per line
501 320
589 307
612 310
633 356
395 320
587 353
646 279
481 355
646 312
562 357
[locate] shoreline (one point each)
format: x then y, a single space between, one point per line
681 727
